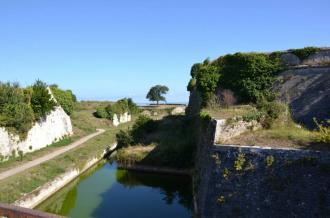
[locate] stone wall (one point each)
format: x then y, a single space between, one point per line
122 118
225 130
248 181
45 132
307 91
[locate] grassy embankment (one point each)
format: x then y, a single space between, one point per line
284 132
165 143
84 123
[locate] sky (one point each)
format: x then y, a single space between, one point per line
107 50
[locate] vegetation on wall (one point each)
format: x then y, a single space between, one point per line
65 98
248 75
120 107
21 107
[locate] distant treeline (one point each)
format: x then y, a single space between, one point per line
21 107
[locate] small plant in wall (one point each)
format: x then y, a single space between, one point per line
226 173
239 162
30 147
270 160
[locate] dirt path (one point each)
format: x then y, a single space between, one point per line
50 156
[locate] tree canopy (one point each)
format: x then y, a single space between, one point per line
156 93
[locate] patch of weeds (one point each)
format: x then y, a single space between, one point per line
239 162
270 160
226 173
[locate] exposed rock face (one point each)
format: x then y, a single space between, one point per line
54 127
289 59
225 131
319 58
123 118
307 91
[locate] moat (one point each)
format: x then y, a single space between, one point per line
106 191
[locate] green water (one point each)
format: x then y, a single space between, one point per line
106 191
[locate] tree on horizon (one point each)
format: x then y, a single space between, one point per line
156 93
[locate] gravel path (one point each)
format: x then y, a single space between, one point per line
50 156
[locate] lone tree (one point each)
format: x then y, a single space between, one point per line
156 93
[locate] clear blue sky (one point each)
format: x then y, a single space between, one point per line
104 49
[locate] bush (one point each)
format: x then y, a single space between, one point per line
65 98
142 126
41 101
248 75
121 106
18 116
101 113
124 139
323 133
207 82
271 111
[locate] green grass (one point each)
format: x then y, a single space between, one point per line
282 134
229 112
14 162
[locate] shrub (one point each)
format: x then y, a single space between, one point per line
65 98
41 101
323 133
271 111
121 106
18 116
101 113
142 127
124 139
207 82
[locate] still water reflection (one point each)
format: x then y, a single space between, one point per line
106 191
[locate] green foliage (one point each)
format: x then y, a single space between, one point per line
143 126
207 82
248 75
271 111
65 98
101 113
41 101
323 133
18 116
304 53
239 162
156 93
270 160
124 139
120 107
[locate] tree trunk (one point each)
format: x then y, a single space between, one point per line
157 102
